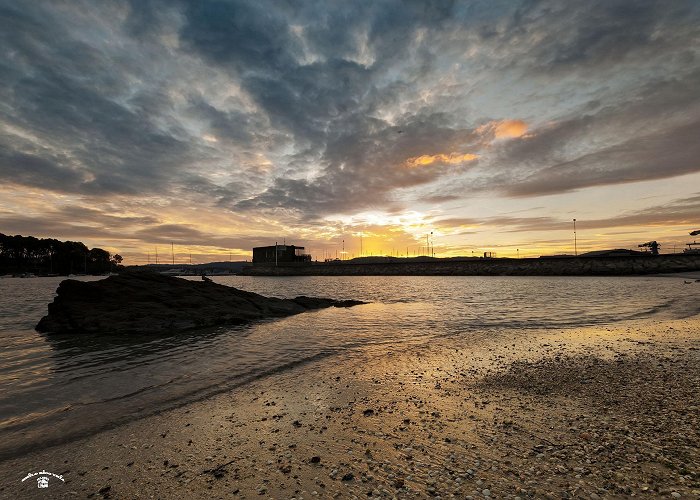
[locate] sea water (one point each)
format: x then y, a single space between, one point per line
58 388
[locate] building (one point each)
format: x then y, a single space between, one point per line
280 254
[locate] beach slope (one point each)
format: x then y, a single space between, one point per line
583 413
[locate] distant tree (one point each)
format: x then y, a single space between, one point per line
77 255
117 260
20 254
99 261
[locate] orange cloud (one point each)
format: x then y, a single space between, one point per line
510 129
452 159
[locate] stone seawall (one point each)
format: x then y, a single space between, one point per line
573 266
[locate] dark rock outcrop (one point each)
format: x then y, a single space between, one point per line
145 302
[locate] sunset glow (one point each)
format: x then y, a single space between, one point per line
451 159
510 129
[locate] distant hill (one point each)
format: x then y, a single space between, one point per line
210 268
616 252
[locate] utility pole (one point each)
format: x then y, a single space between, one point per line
343 254
575 247
275 254
156 255
172 251
360 245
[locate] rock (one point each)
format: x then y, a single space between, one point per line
315 460
368 412
147 302
348 477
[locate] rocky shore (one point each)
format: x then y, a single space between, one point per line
564 266
605 412
151 303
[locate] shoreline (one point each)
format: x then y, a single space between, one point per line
638 265
546 412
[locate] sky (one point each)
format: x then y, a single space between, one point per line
217 126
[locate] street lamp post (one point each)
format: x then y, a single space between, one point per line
575 247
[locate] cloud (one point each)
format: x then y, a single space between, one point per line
298 112
441 158
682 211
656 156
510 129
66 102
607 32
104 229
647 134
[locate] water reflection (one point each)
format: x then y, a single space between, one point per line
67 347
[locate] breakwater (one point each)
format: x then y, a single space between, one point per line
565 266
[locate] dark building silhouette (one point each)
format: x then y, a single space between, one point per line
653 246
280 254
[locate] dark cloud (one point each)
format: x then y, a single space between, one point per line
605 32
38 171
70 97
667 154
328 105
183 234
650 133
43 226
312 84
81 223
155 99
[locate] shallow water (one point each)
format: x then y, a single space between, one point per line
56 388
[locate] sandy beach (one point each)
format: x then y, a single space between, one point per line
582 413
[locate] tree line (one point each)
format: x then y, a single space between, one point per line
27 254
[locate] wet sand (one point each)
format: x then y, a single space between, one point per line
590 413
